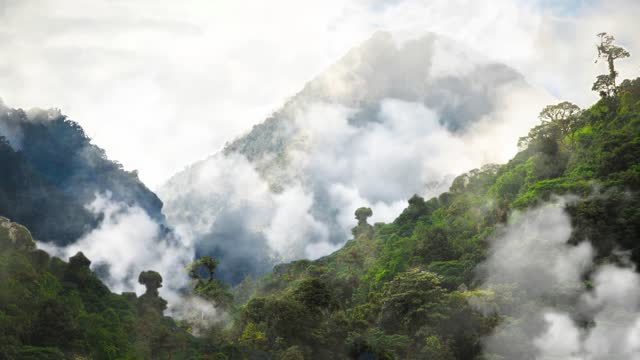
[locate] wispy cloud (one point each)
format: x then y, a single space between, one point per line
160 84
548 311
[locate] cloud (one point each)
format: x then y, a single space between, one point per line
300 203
406 149
379 126
161 84
230 212
292 222
548 313
533 253
127 242
12 133
199 313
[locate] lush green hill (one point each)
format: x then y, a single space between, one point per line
400 290
395 291
354 92
50 309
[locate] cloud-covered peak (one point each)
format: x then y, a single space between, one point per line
388 120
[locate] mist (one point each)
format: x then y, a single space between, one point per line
555 301
126 242
195 74
361 134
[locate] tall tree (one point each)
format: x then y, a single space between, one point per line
564 115
208 263
609 52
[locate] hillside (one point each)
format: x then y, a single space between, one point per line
51 309
488 270
421 286
322 151
52 171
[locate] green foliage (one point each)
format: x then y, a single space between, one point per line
404 290
50 309
404 293
151 280
207 286
412 299
363 228
609 52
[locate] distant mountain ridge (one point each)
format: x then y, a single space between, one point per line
51 171
458 86
376 70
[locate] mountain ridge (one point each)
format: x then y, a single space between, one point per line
373 80
62 171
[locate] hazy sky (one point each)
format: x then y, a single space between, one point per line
160 84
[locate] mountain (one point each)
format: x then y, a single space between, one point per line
52 309
52 172
532 259
373 129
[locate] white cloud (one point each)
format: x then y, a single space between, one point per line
230 211
547 296
127 242
161 84
334 166
561 340
292 225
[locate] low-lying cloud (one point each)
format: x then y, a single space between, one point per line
548 310
127 242
299 203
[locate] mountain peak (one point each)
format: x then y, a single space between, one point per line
323 148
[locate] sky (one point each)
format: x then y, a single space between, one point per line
160 84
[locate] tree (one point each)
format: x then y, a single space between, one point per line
208 263
563 115
79 261
557 121
315 295
411 300
362 214
433 243
363 227
151 299
293 353
15 236
208 287
544 136
151 280
608 52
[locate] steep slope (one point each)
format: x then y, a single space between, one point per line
51 171
384 122
51 309
531 259
490 269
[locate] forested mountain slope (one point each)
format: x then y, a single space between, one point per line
51 171
323 150
415 288
51 309
422 287
533 259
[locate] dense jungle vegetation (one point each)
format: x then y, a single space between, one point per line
401 290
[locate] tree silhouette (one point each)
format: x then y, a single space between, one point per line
208 263
151 280
609 52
